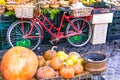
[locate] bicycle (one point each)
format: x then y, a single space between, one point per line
30 32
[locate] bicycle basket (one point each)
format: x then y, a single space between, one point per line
22 11
84 11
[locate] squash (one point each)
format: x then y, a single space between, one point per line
78 68
62 55
19 63
49 54
67 72
45 72
56 63
74 56
41 61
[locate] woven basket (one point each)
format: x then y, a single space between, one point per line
85 11
55 6
23 11
2 9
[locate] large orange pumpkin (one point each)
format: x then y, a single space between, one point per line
19 63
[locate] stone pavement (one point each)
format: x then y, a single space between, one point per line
110 48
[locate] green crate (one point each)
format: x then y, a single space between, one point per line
5 22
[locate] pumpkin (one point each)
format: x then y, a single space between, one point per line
67 72
74 57
74 53
49 54
78 68
47 63
80 61
45 72
69 62
56 63
62 55
56 73
19 63
73 1
41 60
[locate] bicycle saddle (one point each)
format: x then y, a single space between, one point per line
65 9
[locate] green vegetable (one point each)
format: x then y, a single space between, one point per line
9 13
52 12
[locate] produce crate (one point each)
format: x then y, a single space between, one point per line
117 14
3 40
103 10
5 22
6 18
113 31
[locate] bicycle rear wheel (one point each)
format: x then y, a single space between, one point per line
84 37
15 35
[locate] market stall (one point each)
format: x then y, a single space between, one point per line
53 64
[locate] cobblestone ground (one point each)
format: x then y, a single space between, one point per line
110 48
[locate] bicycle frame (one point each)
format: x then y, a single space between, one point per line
58 34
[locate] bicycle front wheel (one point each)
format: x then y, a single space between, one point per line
16 32
84 37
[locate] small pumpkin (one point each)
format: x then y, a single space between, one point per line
45 72
47 63
69 62
62 55
49 54
19 63
67 72
78 68
56 63
41 60
74 56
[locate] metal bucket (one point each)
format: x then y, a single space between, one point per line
95 62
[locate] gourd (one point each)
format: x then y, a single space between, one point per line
78 68
56 63
49 54
41 60
45 72
67 72
19 63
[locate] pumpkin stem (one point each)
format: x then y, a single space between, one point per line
64 64
53 48
64 49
